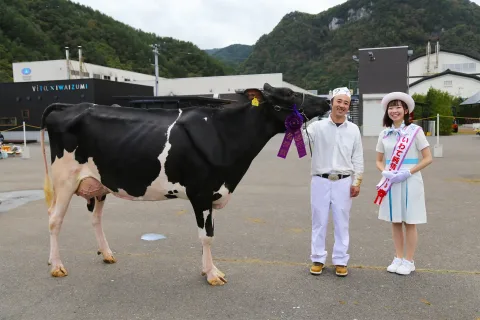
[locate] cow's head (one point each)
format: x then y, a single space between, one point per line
281 101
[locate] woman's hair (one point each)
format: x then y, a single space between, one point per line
387 122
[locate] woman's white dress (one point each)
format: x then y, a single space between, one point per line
405 202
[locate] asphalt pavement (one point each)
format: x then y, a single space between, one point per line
262 243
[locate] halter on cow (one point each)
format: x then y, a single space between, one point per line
198 154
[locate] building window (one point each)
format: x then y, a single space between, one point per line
97 76
77 73
126 79
447 83
12 121
106 77
461 67
25 114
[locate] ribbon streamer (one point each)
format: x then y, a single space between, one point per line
293 123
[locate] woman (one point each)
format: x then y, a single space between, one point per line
400 192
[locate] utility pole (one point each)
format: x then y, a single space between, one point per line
155 51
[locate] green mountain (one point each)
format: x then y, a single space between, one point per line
315 51
40 29
232 55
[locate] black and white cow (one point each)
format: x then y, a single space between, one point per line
198 154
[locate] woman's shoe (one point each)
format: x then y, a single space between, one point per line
406 268
397 262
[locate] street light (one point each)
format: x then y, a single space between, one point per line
357 60
409 54
155 51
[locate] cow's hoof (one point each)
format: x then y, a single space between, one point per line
109 259
217 272
215 277
217 281
59 271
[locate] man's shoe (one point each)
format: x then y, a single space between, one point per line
341 271
316 268
397 262
406 268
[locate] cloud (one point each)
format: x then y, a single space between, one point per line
206 23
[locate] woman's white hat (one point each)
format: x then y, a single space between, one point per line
398 96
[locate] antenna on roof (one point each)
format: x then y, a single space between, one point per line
67 55
428 58
80 61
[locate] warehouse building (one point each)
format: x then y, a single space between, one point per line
26 101
454 72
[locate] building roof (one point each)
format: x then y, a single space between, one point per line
447 51
446 72
475 99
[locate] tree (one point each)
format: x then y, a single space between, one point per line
436 102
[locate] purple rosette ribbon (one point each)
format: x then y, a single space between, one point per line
293 123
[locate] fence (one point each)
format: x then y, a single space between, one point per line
465 124
17 136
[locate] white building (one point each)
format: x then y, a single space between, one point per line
219 85
450 71
455 83
64 69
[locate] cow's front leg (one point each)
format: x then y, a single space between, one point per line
205 223
103 247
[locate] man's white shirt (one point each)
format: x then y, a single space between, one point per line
335 149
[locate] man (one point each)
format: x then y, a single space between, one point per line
337 171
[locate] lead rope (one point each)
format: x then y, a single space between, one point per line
308 135
305 125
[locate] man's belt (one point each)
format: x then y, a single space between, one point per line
333 176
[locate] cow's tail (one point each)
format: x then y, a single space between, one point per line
47 185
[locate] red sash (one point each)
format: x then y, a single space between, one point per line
404 141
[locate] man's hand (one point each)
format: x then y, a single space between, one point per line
354 191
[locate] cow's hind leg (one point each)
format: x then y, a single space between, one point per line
103 247
205 223
56 215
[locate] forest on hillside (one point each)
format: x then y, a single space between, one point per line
315 51
232 55
32 30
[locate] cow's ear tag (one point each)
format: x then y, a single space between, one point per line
255 102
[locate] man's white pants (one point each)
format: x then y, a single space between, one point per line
326 193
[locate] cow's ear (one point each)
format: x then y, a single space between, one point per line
254 93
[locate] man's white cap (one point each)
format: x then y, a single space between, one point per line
342 90
398 96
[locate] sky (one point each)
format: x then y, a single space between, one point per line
207 23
